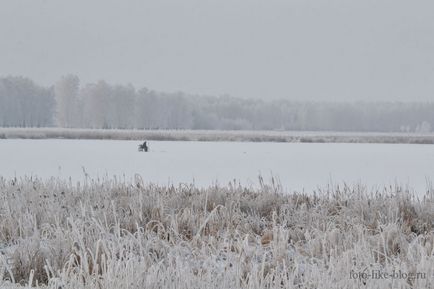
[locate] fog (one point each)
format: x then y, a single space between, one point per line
336 50
101 105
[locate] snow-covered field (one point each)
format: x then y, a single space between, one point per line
220 225
299 166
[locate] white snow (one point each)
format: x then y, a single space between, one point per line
298 165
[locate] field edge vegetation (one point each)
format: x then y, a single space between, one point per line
117 234
217 135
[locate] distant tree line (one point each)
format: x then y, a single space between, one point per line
101 105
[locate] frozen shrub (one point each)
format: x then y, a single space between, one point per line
113 234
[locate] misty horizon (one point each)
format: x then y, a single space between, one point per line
71 104
82 83
294 50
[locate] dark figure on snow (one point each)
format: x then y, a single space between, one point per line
143 147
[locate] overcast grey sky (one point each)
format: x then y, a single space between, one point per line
295 49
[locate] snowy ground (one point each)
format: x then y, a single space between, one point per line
298 165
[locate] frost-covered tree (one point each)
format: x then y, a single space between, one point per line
23 103
179 111
101 105
424 127
66 93
148 112
122 106
96 105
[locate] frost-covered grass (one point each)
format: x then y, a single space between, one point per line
218 135
114 234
